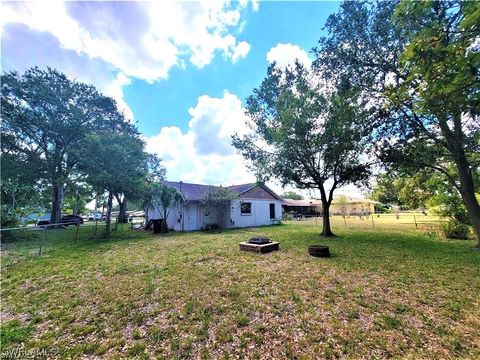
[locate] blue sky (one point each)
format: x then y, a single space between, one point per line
180 70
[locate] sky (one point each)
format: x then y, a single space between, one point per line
181 71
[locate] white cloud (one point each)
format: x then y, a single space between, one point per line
170 31
286 54
115 90
240 51
204 153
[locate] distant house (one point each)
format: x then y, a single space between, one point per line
256 205
307 207
312 207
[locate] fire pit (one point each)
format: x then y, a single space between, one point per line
259 245
259 240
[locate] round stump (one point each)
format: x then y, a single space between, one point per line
319 250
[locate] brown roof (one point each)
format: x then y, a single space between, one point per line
196 192
305 202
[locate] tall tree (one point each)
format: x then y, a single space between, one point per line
419 64
292 195
114 162
77 195
305 135
47 117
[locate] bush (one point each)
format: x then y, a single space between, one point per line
456 230
8 217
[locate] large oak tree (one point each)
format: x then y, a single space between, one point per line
418 64
305 134
46 118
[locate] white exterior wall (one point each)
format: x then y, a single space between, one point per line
260 214
194 215
172 219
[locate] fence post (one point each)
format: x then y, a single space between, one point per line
44 235
415 220
373 224
76 233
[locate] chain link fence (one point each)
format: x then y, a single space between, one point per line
28 241
381 221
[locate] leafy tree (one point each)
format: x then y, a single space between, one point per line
292 195
163 199
114 162
303 135
217 199
407 190
77 195
155 175
418 64
46 118
342 202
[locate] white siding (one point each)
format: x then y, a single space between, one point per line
194 215
172 220
260 214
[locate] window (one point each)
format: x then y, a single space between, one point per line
272 211
245 208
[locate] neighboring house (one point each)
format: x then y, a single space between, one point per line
256 205
355 206
308 207
312 207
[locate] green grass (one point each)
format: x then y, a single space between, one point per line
383 293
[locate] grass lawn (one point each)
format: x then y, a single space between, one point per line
384 293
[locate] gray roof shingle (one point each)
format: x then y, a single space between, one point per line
196 192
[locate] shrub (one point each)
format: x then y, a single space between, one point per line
8 217
455 230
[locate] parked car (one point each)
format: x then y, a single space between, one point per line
93 217
71 220
43 222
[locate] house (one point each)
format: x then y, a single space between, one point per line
307 207
256 205
354 205
313 207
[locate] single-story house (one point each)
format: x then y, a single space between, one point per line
313 207
354 205
255 205
306 207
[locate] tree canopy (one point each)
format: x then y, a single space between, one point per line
304 134
46 118
292 195
417 65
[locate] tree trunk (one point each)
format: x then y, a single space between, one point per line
122 215
326 230
76 204
467 190
109 212
164 224
57 201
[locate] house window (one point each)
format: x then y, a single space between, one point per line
272 211
245 208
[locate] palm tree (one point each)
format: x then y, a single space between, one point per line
161 198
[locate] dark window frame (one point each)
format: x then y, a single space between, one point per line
245 203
